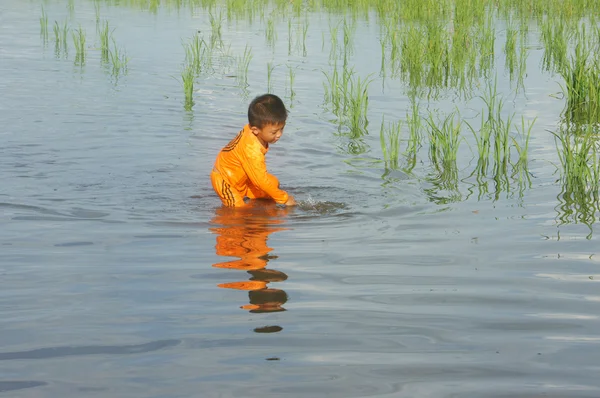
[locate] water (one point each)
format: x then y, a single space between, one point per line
121 275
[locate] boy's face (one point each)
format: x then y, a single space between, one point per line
269 134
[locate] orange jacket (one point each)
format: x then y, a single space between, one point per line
242 164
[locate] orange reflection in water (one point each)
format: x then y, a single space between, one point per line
243 233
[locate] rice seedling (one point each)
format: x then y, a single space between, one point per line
357 104
79 43
292 78
187 78
482 139
501 138
71 7
510 48
118 60
44 26
522 66
413 120
270 33
487 41
304 34
60 37
444 141
105 36
270 68
216 23
333 34
390 143
97 12
581 85
197 54
555 38
524 134
243 62
580 175
290 37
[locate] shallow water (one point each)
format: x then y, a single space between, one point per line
121 275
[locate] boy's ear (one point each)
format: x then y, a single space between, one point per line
255 130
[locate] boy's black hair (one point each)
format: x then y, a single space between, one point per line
266 109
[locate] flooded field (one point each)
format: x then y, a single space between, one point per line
446 161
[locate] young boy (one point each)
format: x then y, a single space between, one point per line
240 170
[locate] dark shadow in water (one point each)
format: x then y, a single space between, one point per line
243 233
66 351
19 385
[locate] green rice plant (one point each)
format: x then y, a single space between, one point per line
582 85
382 72
44 26
118 60
97 12
333 34
334 91
413 120
187 78
357 100
483 140
71 7
438 50
270 33
487 41
348 32
105 36
390 143
290 37
79 43
413 45
580 175
60 37
304 34
501 138
216 24
522 66
292 78
524 134
348 99
270 68
510 48
198 55
444 141
555 39
243 62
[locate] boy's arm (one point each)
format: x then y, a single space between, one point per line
256 169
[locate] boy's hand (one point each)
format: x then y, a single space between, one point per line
291 201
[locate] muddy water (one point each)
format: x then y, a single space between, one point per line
121 275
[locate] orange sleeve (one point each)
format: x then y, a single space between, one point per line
255 167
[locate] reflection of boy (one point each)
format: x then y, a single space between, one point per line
240 170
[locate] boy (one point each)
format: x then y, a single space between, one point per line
240 170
